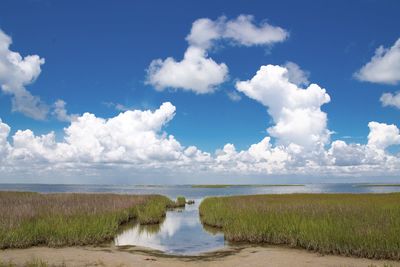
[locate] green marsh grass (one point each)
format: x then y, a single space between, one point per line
364 225
29 219
180 202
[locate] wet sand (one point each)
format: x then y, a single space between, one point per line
135 256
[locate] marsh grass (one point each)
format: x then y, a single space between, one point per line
364 225
180 202
29 219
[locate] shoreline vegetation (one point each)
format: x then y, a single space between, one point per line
70 219
240 185
361 225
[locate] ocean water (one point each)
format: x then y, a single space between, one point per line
181 232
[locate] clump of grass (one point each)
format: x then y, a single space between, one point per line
153 211
29 219
364 225
180 202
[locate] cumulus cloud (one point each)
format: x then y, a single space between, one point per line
240 31
204 32
134 141
383 135
371 156
198 72
295 111
384 66
4 146
344 154
389 99
260 157
16 72
130 136
302 138
134 137
243 31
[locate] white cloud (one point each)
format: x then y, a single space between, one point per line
60 112
389 99
384 66
244 32
15 73
130 136
383 135
303 139
204 31
295 111
4 146
134 142
133 137
373 155
241 31
346 155
198 72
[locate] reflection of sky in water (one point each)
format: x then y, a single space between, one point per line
180 233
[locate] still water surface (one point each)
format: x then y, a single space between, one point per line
182 232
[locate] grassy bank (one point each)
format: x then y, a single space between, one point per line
364 225
29 219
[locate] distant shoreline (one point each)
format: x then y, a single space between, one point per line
241 185
377 185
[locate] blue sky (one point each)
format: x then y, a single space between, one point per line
97 53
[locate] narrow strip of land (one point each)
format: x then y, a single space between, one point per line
250 256
241 185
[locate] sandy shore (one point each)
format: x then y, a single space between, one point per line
239 256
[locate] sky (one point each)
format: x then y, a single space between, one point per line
199 92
